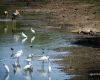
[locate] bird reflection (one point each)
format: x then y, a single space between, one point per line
49 70
49 66
49 77
32 39
6 28
28 76
6 77
6 68
16 68
23 40
43 71
14 26
16 37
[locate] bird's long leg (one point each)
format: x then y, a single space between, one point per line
43 64
18 60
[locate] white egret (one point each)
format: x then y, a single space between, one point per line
44 58
6 68
28 67
28 74
29 58
24 35
6 13
32 30
17 54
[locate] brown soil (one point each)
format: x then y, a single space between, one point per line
83 16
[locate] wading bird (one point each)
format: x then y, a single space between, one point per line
44 58
24 35
32 30
17 55
6 13
15 14
29 58
28 67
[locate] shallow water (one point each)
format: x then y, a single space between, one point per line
43 40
